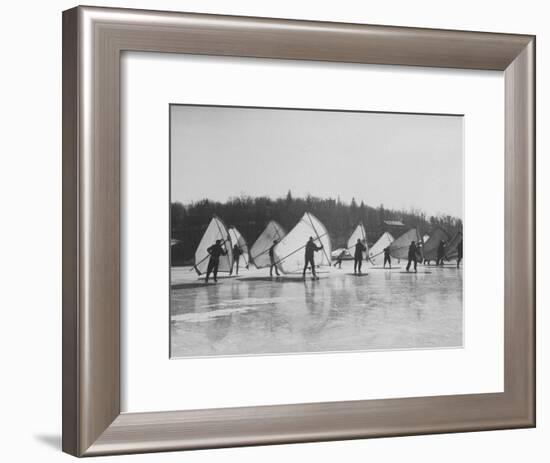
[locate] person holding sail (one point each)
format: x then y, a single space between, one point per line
237 252
440 252
387 256
340 258
273 264
459 257
215 251
360 248
412 256
311 249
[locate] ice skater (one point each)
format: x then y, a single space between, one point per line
311 249
237 253
273 264
340 258
412 256
387 257
440 252
215 251
360 248
459 257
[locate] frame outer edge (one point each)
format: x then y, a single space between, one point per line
70 172
520 232
99 232
275 38
91 362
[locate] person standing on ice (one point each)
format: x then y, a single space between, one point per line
459 257
440 252
215 251
237 252
360 248
412 256
272 259
311 249
340 258
387 257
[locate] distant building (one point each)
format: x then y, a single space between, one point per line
393 223
394 227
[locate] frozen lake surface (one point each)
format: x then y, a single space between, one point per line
254 314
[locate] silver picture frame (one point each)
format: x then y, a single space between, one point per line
93 40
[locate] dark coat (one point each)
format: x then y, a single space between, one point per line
359 249
412 251
237 252
216 250
311 247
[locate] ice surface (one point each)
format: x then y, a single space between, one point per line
254 314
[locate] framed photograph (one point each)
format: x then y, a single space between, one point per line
281 231
267 259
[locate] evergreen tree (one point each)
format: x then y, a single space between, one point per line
289 197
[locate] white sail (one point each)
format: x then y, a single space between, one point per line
238 239
399 248
377 249
259 252
358 234
290 252
216 230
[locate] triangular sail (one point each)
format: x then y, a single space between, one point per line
238 239
377 248
399 248
216 230
451 252
290 252
259 252
432 244
358 234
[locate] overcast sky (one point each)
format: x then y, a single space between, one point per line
399 160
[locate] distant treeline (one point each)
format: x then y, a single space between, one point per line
251 215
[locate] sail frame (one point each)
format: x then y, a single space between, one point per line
260 257
381 243
451 251
239 239
320 236
327 255
201 262
399 248
352 240
429 249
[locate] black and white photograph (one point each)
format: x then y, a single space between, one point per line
308 231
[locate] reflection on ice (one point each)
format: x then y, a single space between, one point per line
223 309
253 314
